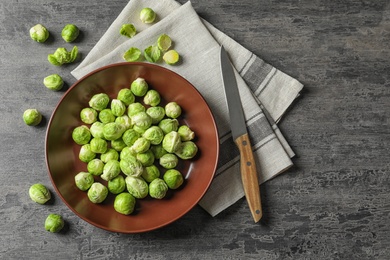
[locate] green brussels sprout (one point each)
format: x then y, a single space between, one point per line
116 185
124 120
139 87
83 180
124 203
158 151
99 101
96 130
152 98
152 54
139 130
81 135
118 108
110 154
171 142
173 178
70 32
142 120
169 125
62 56
106 116
150 173
118 144
39 193
128 30
157 113
88 115
32 117
147 15
141 145
158 188
169 161
135 108
154 134
39 33
130 136
131 166
137 187
126 96
172 110
95 167
187 150
97 193
54 223
53 82
146 158
171 57
86 154
132 54
164 42
98 145
113 131
126 153
111 170
186 134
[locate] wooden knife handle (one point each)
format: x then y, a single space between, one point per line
249 176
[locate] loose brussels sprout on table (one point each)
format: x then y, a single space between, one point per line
39 193
39 33
70 32
54 223
132 54
147 15
62 56
128 30
32 117
53 82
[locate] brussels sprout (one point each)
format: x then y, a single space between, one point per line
147 15
186 134
139 87
53 82
169 161
130 136
118 144
139 130
186 150
146 158
96 129
126 153
128 30
99 101
81 135
88 115
54 223
86 154
106 116
70 32
113 131
110 154
32 117
98 145
173 178
137 187
62 56
126 96
97 193
83 180
171 57
95 167
124 203
39 33
116 185
156 113
154 134
158 188
135 108
164 42
158 151
142 120
150 173
118 108
171 142
124 120
169 125
141 145
39 193
152 54
172 110
111 170
131 166
132 54
152 98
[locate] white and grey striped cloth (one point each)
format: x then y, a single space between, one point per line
265 91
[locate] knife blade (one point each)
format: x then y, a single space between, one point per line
241 138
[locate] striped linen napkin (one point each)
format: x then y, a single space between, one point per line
265 91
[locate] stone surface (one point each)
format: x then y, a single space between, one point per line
334 204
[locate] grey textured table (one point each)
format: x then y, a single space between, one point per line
335 202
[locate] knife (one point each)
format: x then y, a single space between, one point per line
241 138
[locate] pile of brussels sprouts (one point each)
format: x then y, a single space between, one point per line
134 144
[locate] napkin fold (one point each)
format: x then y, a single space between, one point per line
265 91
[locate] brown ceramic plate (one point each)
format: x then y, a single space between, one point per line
62 153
